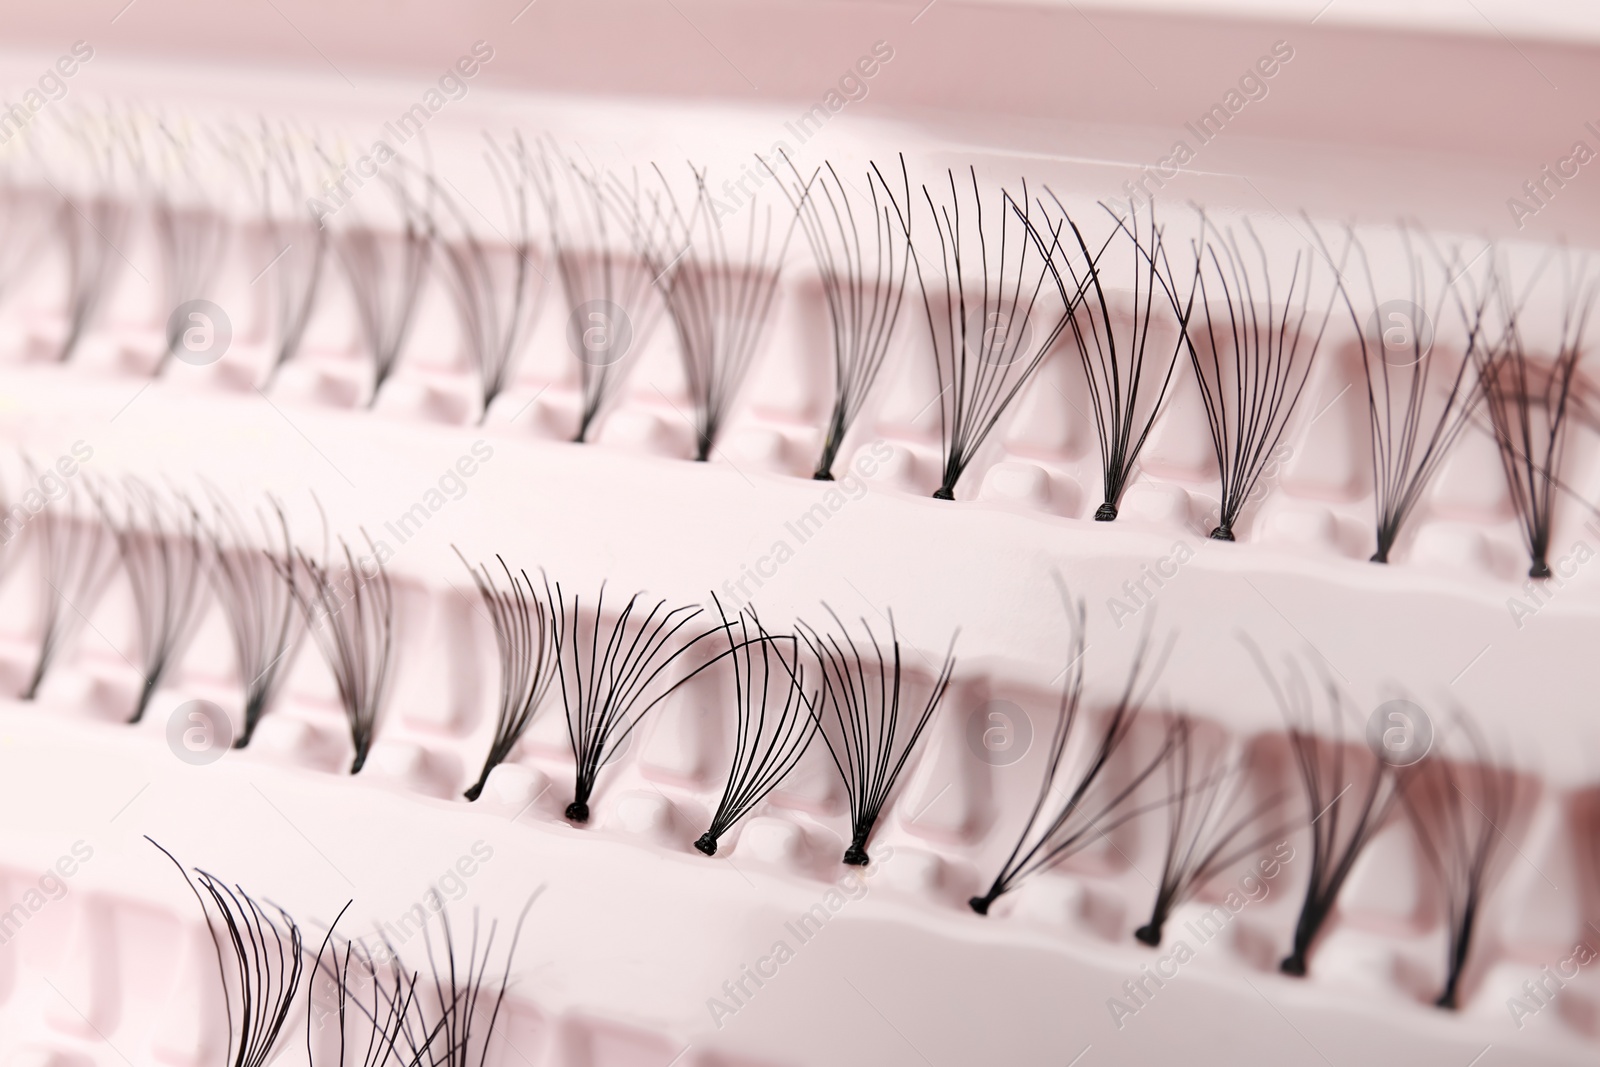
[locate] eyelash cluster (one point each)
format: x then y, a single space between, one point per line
613 667
1004 280
379 1008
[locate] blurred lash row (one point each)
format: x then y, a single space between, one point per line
1004 280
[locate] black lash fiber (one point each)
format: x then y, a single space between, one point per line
609 290
1416 408
862 285
524 635
866 735
1529 398
775 719
1349 793
1210 827
451 1019
1459 812
255 586
77 556
984 348
165 555
1257 356
1092 800
719 300
349 609
260 969
374 999
1112 353
497 289
92 225
607 676
388 269
191 235
294 237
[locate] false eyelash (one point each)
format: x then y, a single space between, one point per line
267 954
350 613
603 708
1091 808
1458 816
164 555
386 281
524 634
92 229
763 756
1336 842
382 1018
719 308
192 238
1400 415
1121 422
455 1037
1517 390
495 306
1202 829
255 585
91 261
863 291
297 270
979 375
76 558
1254 358
593 272
867 720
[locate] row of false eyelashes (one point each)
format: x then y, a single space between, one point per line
363 1005
1003 279
841 683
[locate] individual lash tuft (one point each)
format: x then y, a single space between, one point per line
775 720
1529 399
191 233
349 608
260 969
496 287
1114 354
256 588
77 557
388 269
372 994
524 635
1210 827
612 307
1416 408
296 240
866 735
720 299
1459 812
165 555
863 285
1349 791
1085 802
610 677
985 348
1253 357
92 224
452 1019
